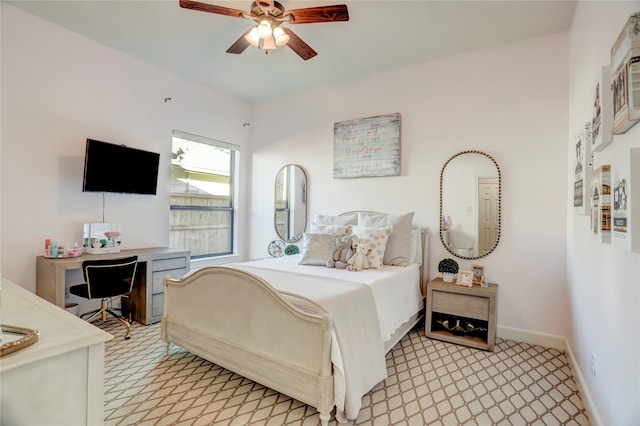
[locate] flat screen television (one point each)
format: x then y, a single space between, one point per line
117 168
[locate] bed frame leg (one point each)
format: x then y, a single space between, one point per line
324 418
165 346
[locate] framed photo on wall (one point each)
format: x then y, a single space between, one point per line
625 194
601 123
625 84
601 204
582 170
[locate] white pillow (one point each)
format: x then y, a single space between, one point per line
399 244
340 230
376 239
415 252
317 248
347 219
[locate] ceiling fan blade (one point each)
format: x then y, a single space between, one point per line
298 45
312 15
240 44
211 8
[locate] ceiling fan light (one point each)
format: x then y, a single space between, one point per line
264 29
253 37
281 37
269 43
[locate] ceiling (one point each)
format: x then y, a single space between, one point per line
380 35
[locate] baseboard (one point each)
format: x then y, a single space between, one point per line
559 343
594 418
532 337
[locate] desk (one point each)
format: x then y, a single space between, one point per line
147 299
59 380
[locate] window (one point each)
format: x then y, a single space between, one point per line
202 195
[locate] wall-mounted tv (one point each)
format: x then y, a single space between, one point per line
117 168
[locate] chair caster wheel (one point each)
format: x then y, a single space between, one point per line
127 337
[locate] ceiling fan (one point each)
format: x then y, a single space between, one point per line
268 16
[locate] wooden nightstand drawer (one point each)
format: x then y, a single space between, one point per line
460 304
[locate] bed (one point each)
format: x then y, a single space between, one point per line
289 323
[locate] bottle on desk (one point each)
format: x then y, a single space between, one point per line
54 248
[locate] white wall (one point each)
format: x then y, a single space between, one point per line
58 89
511 102
604 281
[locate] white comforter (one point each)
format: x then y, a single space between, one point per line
383 300
396 289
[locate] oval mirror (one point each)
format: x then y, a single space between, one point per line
290 215
470 204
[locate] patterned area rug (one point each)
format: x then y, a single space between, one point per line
430 383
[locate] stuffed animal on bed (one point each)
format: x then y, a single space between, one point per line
359 260
343 253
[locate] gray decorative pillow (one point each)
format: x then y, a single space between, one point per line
317 248
399 242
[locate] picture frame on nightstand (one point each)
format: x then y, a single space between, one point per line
465 278
478 272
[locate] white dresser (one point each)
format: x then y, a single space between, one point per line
58 380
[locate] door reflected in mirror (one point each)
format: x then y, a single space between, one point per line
290 215
470 204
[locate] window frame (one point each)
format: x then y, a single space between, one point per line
233 178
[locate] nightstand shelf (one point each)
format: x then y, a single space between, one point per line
462 315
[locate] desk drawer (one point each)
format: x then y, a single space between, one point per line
157 286
157 305
460 304
166 264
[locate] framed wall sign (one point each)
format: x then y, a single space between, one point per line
582 170
625 83
601 204
601 123
367 147
625 189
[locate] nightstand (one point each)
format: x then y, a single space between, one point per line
462 315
